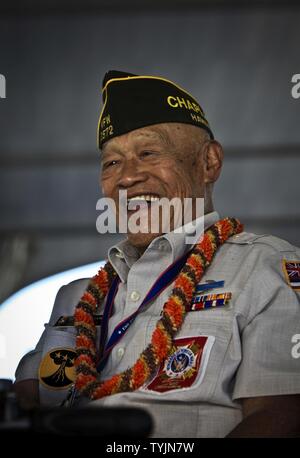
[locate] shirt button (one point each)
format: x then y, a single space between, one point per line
120 352
134 296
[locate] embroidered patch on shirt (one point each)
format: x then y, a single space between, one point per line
187 363
57 371
292 273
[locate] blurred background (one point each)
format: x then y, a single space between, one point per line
236 57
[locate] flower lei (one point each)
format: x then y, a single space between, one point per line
171 320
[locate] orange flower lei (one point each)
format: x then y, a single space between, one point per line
171 320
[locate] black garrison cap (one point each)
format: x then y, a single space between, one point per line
132 101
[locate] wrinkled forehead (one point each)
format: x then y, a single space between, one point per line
169 135
158 134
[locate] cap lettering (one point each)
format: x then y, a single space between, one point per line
181 102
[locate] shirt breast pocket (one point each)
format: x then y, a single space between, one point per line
195 365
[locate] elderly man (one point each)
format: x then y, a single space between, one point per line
202 335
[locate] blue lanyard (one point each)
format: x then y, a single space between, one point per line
165 279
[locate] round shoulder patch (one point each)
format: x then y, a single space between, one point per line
57 371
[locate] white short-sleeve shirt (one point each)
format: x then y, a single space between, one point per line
245 348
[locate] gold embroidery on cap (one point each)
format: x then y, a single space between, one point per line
181 102
198 118
106 128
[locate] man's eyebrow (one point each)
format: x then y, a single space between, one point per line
104 151
156 135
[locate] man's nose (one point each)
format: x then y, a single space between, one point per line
131 174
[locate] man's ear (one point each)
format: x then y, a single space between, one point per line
213 160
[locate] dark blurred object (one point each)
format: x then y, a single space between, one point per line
15 252
104 422
9 409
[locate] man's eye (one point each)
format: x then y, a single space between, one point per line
109 164
147 153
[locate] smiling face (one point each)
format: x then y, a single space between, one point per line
164 160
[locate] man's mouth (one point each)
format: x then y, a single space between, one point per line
141 201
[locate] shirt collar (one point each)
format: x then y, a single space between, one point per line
177 240
123 255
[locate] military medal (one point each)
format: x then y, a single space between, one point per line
210 300
206 301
